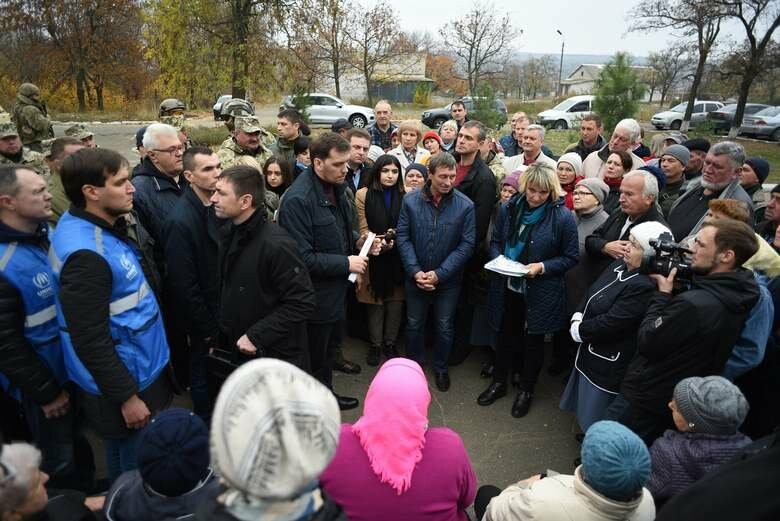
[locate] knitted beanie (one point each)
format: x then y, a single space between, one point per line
711 404
615 461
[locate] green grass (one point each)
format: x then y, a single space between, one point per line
210 136
107 116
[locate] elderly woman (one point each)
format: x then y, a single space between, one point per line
605 327
449 134
391 465
432 142
569 170
409 150
535 229
381 287
273 431
415 176
23 493
616 166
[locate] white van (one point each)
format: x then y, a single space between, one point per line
566 114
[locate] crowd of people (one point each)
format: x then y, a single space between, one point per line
233 276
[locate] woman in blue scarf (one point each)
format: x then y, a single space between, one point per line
535 228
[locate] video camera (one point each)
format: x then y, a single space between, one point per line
668 254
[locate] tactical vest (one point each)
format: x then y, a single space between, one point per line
134 316
27 268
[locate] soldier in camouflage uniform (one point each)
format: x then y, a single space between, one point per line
31 117
236 107
13 152
245 142
79 131
172 113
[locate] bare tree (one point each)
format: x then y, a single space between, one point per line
668 67
751 14
538 75
482 40
694 19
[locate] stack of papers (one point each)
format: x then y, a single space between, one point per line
508 267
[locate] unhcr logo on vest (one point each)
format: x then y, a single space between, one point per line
41 281
129 267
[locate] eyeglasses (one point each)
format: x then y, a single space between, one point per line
580 193
172 150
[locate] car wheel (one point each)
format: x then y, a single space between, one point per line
358 120
776 134
560 125
676 124
438 122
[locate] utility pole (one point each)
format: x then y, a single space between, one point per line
560 69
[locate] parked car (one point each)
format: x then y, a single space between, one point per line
218 105
435 117
324 109
673 117
721 119
764 123
566 114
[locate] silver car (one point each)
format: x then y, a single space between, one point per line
324 109
764 123
673 117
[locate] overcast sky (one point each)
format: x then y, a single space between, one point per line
589 27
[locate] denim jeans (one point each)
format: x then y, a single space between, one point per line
120 455
444 300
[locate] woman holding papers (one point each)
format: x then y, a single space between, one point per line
605 327
536 229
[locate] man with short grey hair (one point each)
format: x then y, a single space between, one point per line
532 142
625 137
719 180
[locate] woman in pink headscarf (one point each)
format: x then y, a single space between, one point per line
389 465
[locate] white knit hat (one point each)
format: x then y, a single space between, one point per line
573 159
648 231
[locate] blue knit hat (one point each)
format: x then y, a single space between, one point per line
615 461
657 173
173 452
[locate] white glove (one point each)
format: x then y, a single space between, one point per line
574 330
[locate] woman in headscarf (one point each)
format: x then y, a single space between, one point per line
273 430
415 176
390 465
381 287
569 171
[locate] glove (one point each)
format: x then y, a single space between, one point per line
574 330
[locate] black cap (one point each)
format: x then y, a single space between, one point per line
697 143
341 124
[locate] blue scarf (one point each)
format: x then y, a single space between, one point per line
520 229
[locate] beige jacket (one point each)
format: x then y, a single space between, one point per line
565 498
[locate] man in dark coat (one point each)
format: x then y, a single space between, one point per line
691 333
266 294
638 193
191 241
473 179
316 213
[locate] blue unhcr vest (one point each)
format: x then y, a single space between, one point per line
26 267
134 316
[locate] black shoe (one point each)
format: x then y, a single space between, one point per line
346 403
390 351
487 370
522 404
579 437
443 382
345 366
558 367
492 393
372 357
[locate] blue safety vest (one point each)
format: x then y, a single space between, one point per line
134 316
26 267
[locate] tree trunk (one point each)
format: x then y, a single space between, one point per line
751 71
240 60
99 94
81 82
336 82
652 91
694 90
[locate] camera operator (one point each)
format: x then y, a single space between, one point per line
691 333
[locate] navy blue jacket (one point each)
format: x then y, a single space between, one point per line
325 239
553 241
436 238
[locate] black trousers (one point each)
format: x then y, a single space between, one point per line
319 357
516 349
484 494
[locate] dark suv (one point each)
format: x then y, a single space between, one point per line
435 117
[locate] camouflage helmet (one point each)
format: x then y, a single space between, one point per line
237 107
170 106
29 90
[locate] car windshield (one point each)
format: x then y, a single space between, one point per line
768 112
564 105
680 107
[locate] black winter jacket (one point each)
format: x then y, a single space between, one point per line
266 292
18 360
689 334
479 185
325 237
612 311
191 240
